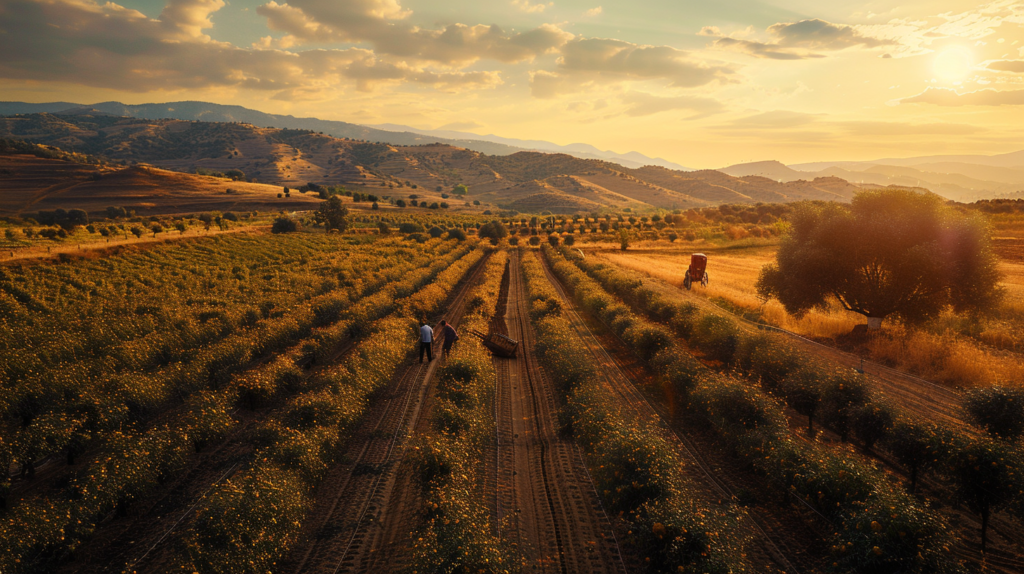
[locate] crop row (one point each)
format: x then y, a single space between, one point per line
249 522
840 400
131 464
63 406
456 533
635 469
878 526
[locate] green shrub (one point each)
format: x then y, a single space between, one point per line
998 410
717 337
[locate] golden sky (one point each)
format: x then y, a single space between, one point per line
699 83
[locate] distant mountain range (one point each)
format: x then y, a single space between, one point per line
526 181
388 133
580 150
958 177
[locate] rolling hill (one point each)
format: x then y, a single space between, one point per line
956 177
389 133
524 181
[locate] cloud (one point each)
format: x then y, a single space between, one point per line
773 120
525 6
462 126
381 24
986 97
762 50
109 46
644 104
798 40
586 61
594 12
1015 66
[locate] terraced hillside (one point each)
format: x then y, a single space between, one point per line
524 181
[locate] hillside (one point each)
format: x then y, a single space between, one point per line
30 184
282 157
957 177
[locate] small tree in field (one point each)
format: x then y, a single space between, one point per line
999 410
623 239
892 252
181 227
332 215
156 228
987 477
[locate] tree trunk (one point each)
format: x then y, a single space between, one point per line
984 529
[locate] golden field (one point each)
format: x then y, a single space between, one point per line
953 350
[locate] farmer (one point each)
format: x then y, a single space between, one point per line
450 337
426 341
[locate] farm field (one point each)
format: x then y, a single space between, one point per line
947 350
252 401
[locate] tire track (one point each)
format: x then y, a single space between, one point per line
557 514
356 515
777 548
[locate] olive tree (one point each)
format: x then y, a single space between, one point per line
332 214
891 252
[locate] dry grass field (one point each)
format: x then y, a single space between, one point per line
954 350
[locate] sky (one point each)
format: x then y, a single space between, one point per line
704 84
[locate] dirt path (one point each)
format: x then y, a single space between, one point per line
546 500
786 538
366 506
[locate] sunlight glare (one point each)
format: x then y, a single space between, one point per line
953 63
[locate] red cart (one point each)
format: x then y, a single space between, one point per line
696 272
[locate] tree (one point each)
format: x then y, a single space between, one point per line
383 228
400 203
137 231
156 228
457 234
494 230
435 232
986 478
284 225
999 410
460 189
181 227
623 239
892 252
332 215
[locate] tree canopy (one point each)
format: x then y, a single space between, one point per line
332 214
891 252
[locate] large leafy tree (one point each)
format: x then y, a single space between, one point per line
891 252
332 214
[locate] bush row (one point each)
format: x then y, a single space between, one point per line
132 464
634 468
840 400
456 533
298 445
879 527
78 403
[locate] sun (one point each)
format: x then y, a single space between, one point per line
953 63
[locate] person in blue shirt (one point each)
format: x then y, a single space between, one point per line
426 341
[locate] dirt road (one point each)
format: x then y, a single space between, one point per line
366 506
546 501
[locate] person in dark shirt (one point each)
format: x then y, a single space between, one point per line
450 337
